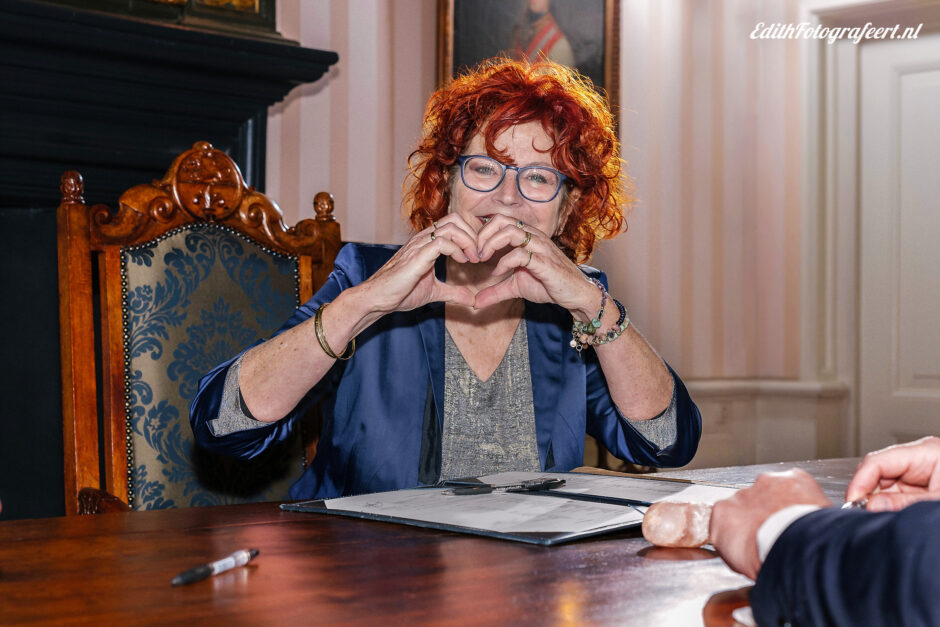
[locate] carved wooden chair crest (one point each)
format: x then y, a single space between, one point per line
187 272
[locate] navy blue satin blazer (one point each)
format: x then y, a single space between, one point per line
852 567
381 409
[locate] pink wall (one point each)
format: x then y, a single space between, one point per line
711 124
711 130
351 132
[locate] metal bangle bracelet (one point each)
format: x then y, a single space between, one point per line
321 338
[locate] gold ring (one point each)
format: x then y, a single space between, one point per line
434 224
528 238
526 264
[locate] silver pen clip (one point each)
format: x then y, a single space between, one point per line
861 503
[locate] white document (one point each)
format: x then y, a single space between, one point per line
512 513
501 512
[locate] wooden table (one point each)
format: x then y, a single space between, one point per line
116 569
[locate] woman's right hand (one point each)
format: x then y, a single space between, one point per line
407 280
276 374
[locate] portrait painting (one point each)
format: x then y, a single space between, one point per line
582 34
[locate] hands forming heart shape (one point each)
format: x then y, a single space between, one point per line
505 259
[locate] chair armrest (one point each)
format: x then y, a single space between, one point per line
95 501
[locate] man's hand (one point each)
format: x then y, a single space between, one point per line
902 474
735 521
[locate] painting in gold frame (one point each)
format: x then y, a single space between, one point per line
584 34
249 6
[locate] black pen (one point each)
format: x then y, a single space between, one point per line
238 558
530 485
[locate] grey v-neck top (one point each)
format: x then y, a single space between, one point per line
489 426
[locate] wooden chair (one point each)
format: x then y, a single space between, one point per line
187 272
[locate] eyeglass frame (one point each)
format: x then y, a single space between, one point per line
461 159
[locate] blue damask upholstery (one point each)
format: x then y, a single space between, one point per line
182 274
192 299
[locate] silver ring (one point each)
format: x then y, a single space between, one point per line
433 235
521 225
526 264
528 238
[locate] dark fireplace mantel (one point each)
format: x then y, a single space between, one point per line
115 98
105 94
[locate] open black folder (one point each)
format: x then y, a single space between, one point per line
586 505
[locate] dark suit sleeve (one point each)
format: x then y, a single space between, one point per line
841 567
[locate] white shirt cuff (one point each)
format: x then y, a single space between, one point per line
776 524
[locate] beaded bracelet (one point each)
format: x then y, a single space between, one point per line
612 334
581 332
578 341
589 328
321 338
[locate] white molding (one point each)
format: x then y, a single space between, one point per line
830 261
757 421
778 388
811 294
878 13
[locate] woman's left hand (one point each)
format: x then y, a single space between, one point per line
537 271
637 378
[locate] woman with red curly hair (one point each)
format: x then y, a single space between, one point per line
479 346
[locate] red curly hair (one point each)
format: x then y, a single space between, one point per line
501 93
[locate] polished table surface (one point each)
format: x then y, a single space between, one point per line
315 569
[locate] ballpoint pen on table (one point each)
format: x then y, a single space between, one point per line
238 558
543 483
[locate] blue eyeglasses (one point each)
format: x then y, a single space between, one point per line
537 183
